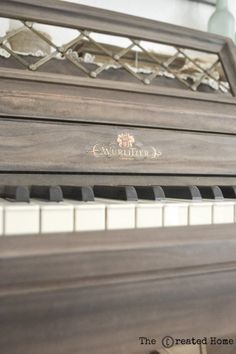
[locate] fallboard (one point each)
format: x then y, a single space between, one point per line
38 146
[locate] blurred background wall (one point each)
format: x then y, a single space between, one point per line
187 13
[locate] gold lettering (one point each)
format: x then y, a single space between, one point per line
125 153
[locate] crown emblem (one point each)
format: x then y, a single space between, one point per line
125 140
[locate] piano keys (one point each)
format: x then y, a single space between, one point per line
80 209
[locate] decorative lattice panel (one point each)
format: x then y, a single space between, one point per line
39 47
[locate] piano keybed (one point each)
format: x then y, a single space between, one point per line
55 209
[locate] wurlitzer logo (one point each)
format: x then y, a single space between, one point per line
125 140
124 147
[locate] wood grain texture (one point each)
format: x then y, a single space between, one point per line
32 99
25 93
114 85
79 16
77 179
66 97
228 59
98 292
194 251
37 146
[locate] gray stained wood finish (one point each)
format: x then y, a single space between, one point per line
95 19
32 97
98 292
40 146
50 121
35 146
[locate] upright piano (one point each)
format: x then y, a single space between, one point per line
117 184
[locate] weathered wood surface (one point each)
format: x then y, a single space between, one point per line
36 146
83 179
165 108
98 292
228 59
71 97
79 16
16 79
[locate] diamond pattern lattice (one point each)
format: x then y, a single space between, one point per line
144 61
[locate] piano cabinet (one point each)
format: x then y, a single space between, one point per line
82 114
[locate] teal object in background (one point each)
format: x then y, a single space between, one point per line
222 21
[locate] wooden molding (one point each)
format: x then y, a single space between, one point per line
80 16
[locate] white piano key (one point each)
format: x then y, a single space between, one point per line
1 218
119 214
68 216
223 212
89 216
55 217
200 213
19 218
149 214
175 213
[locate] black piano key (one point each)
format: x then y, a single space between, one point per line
228 191
2 191
150 192
182 192
211 192
17 193
127 193
84 193
50 193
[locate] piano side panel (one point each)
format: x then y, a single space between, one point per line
57 147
